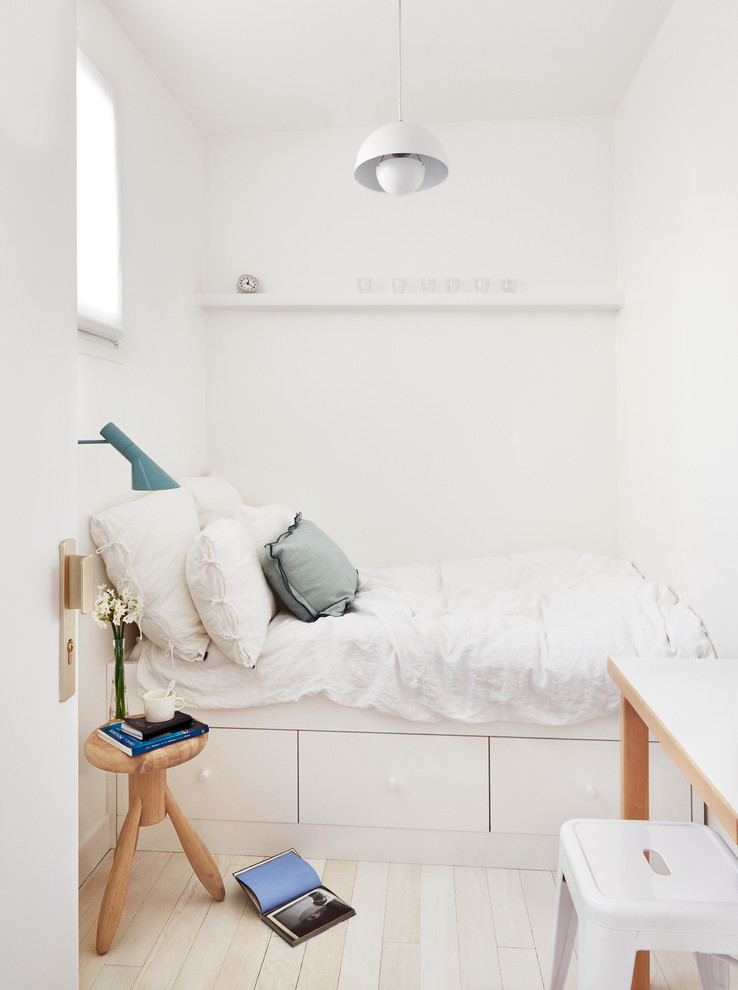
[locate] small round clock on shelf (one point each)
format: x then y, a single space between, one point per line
247 283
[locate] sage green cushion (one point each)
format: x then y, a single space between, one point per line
309 572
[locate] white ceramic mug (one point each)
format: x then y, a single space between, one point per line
160 706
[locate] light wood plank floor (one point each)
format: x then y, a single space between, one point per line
416 928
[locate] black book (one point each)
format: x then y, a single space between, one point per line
288 894
138 728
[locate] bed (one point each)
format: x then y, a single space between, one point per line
451 713
519 638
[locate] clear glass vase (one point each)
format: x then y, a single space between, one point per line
118 698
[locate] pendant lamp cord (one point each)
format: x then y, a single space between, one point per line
399 59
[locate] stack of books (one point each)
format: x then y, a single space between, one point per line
134 735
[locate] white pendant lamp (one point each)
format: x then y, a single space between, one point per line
400 158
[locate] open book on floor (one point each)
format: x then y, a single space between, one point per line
288 894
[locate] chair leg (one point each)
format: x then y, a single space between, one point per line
196 851
564 934
116 888
714 971
606 958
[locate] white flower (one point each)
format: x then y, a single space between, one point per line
116 609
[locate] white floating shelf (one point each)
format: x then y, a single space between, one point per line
407 300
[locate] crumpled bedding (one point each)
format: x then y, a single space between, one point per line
522 638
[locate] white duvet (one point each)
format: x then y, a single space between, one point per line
523 638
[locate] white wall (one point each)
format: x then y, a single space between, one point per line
153 390
419 437
38 860
677 161
525 199
426 437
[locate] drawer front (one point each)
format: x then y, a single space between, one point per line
394 781
537 784
245 775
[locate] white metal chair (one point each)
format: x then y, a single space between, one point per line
632 885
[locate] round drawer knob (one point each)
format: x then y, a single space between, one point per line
203 776
392 783
591 790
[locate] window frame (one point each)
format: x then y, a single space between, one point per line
91 328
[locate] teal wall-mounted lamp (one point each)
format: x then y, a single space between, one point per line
146 474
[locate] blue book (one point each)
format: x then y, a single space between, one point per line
288 894
133 747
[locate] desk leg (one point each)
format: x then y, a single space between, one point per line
633 763
634 798
117 886
196 851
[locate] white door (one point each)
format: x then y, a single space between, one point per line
38 811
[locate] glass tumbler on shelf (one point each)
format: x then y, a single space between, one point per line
453 284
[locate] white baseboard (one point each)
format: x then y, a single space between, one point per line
531 852
95 845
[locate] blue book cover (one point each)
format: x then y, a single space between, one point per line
288 894
133 747
279 879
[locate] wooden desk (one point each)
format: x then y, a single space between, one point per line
691 707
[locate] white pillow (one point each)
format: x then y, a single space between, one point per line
144 544
230 591
265 523
214 497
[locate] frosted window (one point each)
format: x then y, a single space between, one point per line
98 222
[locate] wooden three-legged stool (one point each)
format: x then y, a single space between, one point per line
149 802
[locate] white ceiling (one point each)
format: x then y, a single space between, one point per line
261 65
